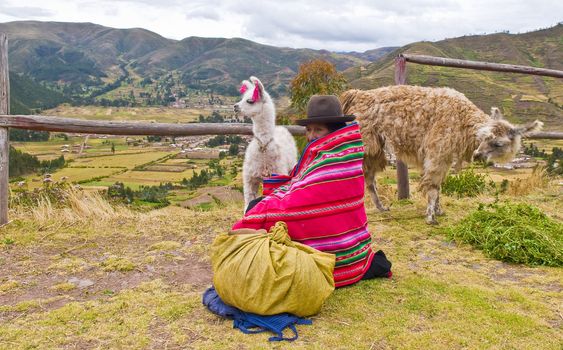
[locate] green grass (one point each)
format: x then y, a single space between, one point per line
117 264
205 206
513 232
165 245
8 286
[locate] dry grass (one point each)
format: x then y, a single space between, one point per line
82 205
538 179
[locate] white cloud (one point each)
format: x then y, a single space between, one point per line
203 13
321 24
24 12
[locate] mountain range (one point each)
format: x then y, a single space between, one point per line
83 56
86 53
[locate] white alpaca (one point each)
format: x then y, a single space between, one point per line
273 149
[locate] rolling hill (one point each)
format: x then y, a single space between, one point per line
27 96
521 97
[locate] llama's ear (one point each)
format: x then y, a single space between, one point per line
496 114
244 86
258 89
257 81
527 129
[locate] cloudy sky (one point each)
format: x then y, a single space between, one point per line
320 24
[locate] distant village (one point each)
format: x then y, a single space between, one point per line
192 147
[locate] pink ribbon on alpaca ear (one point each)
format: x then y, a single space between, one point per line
256 94
243 88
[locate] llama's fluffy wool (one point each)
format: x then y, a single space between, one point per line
430 128
273 149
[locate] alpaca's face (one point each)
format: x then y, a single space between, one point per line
253 99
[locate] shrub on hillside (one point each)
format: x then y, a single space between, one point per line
57 194
555 162
151 194
21 163
28 135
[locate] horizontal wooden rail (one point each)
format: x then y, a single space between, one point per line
554 135
48 123
108 127
497 67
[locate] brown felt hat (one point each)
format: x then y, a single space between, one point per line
324 109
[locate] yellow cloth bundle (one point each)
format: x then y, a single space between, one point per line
267 274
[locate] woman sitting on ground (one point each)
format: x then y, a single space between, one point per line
322 200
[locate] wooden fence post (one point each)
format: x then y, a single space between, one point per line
402 169
4 146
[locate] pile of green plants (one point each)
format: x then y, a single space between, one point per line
465 184
512 232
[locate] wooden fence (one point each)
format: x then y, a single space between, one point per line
52 123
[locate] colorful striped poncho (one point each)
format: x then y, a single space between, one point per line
322 203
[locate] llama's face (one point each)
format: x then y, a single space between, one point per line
500 140
253 99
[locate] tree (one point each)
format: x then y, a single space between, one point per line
233 149
315 77
21 163
28 135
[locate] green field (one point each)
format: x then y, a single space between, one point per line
99 162
96 146
151 177
546 145
80 174
141 114
120 160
